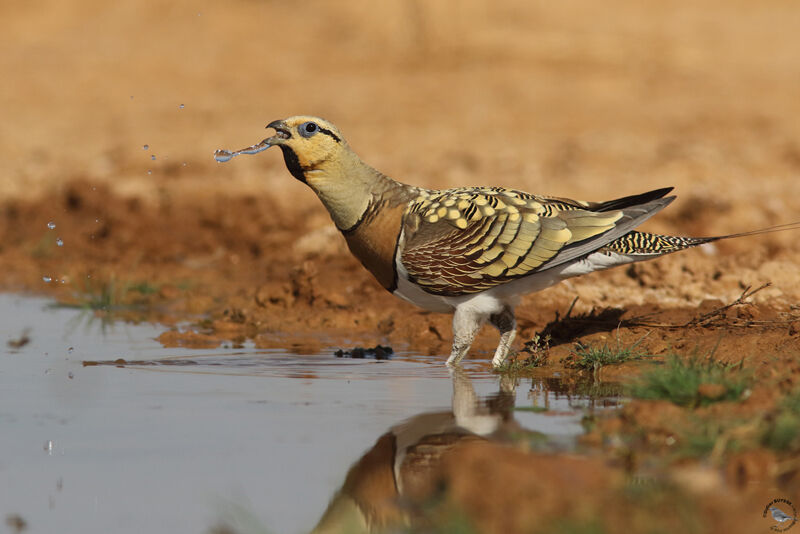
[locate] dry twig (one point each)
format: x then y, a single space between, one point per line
707 318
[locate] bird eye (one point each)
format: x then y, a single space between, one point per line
307 129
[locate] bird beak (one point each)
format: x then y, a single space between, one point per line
281 133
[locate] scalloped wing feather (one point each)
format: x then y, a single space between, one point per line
462 241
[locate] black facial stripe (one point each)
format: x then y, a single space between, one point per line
328 132
292 163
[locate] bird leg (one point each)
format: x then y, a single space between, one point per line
465 400
468 411
466 323
507 325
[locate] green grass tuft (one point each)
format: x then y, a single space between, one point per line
701 437
594 357
143 288
111 295
680 381
538 349
784 432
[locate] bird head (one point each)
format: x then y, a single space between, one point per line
317 155
307 143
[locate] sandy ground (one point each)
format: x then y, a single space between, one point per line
112 111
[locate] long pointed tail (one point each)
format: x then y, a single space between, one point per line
645 244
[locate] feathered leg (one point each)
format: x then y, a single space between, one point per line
466 323
507 325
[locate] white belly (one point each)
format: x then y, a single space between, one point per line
415 295
507 294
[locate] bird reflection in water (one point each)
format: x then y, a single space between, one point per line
389 486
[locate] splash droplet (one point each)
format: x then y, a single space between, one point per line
149 171
145 147
48 446
181 106
59 242
223 155
51 225
153 157
70 350
70 375
47 279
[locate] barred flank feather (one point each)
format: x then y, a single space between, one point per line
645 244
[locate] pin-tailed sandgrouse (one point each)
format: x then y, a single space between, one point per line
472 251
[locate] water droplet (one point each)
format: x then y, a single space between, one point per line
70 350
47 279
97 220
181 106
51 225
59 242
48 446
223 155
70 375
145 147
153 157
184 164
149 171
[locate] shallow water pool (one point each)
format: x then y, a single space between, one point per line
176 441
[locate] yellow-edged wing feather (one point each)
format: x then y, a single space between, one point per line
461 241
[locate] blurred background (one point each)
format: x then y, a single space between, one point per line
572 98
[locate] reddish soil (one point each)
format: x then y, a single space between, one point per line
575 99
